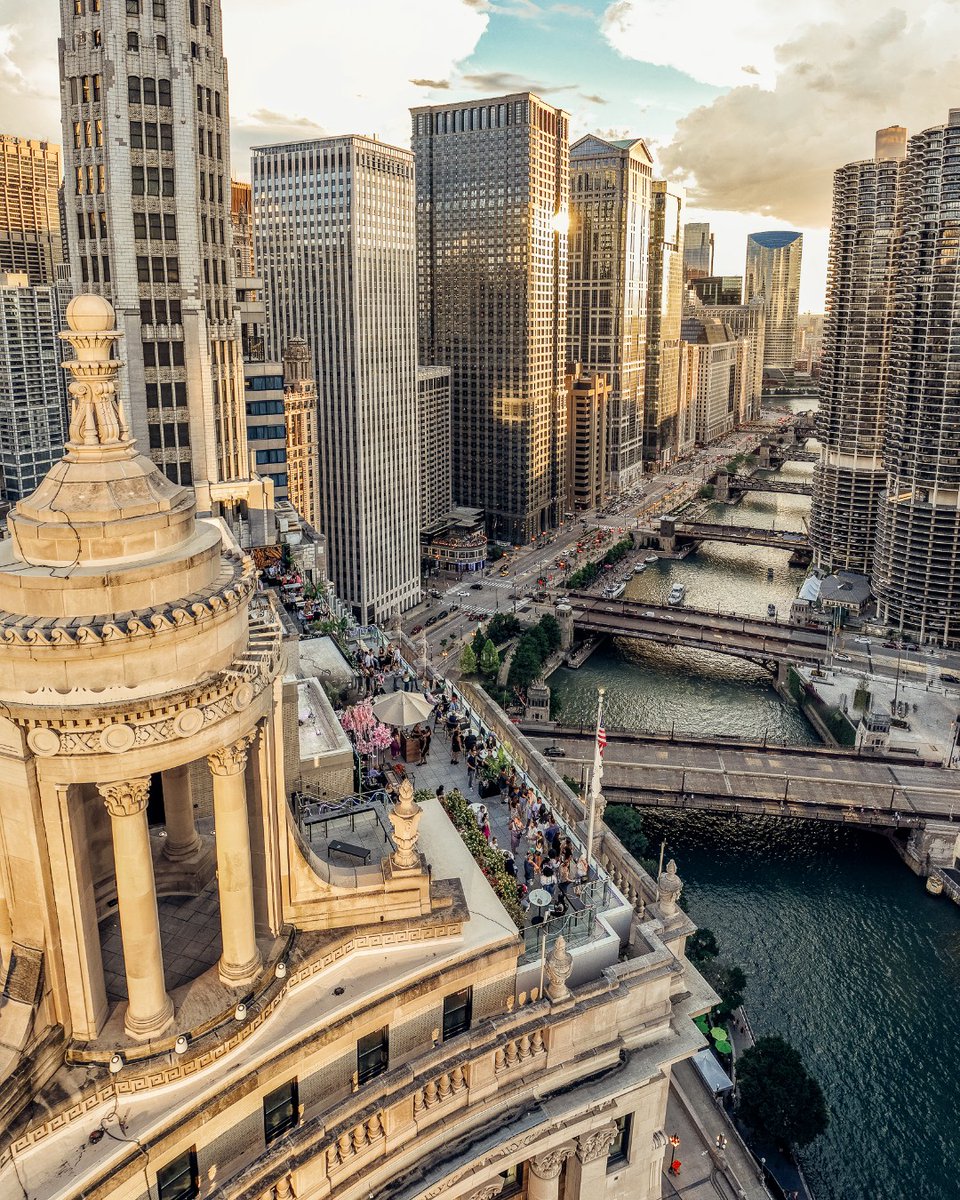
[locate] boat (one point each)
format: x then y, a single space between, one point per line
639 568
677 594
771 610
652 558
614 592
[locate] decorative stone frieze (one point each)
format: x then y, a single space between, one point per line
594 1145
125 799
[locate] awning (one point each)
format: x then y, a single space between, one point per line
713 1075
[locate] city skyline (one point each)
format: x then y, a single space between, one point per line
587 57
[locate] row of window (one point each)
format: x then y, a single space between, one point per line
163 354
133 42
87 134
161 312
150 136
91 180
135 8
157 270
266 433
85 89
147 90
91 225
94 269
159 226
151 181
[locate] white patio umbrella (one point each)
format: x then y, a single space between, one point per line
402 709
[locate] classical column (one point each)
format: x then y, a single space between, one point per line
588 1167
543 1177
183 841
149 1008
240 961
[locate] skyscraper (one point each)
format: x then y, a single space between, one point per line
916 566
31 412
303 441
712 380
433 421
849 480
145 111
697 250
30 238
747 321
773 272
349 290
718 289
610 186
661 429
492 217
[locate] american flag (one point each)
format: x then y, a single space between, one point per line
601 740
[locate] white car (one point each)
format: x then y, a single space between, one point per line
843 658
862 641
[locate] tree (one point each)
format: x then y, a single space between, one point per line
477 644
551 629
779 1098
468 662
502 627
627 824
525 664
489 660
702 947
729 983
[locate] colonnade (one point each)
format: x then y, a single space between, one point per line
149 1008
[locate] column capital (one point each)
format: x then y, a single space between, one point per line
549 1164
594 1145
230 759
125 799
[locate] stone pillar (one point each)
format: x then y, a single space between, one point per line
543 1177
586 1174
149 1008
183 841
405 819
240 961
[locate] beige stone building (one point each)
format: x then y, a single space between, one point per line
303 441
588 403
315 1030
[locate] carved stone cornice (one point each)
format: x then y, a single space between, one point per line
232 759
594 1145
125 799
488 1191
549 1164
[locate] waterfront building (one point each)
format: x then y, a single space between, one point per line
718 289
697 250
661 426
850 480
350 292
191 964
456 542
303 438
31 243
713 380
31 410
433 425
588 405
145 109
749 322
914 571
610 184
492 220
773 272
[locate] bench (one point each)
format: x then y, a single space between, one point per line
348 849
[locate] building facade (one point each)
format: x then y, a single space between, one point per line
697 250
492 220
145 108
850 481
749 322
718 289
349 290
773 272
31 242
31 410
713 380
661 427
433 424
588 405
303 439
610 186
914 572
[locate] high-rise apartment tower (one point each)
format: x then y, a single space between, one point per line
661 428
145 109
610 186
30 238
773 272
492 218
697 250
350 292
849 480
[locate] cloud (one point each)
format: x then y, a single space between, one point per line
431 83
592 99
29 80
772 150
504 81
572 10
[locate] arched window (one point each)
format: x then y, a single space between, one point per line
133 40
133 89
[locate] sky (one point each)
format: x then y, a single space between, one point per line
750 105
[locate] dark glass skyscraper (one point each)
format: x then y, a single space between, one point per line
492 215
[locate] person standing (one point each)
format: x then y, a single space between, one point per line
471 769
425 738
456 746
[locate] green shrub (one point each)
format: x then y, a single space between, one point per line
490 862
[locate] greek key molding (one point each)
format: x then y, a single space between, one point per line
231 759
125 799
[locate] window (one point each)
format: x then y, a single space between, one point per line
136 135
149 90
266 383
133 40
167 176
134 93
137 180
166 137
457 1011
133 8
373 1052
173 270
163 92
160 9
512 1180
280 1110
620 1147
365 1061
161 43
139 225
180 1179
143 269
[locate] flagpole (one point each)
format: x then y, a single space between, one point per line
595 780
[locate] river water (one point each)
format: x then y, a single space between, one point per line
846 955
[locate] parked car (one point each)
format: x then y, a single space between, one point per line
950 678
555 752
891 645
443 613
415 630
843 658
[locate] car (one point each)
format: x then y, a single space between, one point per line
555 752
415 630
949 678
648 613
862 641
891 645
910 646
843 658
440 615
476 587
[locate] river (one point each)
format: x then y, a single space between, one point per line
846 955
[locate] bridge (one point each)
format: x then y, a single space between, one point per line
783 487
744 535
732 776
766 642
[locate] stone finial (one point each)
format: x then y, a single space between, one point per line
405 819
559 964
669 887
97 427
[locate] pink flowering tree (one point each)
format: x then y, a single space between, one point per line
370 736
